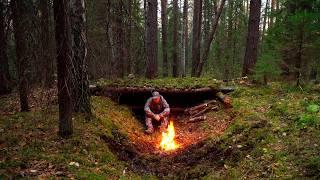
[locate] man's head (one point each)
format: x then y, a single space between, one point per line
156 97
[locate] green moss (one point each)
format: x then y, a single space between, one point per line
189 82
265 139
115 117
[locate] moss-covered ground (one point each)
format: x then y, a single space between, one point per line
275 133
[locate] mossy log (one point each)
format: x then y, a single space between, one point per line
106 90
179 95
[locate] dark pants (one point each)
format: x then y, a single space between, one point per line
163 120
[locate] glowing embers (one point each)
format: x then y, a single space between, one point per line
168 143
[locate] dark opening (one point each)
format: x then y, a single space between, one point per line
178 101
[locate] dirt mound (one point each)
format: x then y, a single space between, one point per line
143 154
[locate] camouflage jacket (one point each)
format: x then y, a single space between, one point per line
162 108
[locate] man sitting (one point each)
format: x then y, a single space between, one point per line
158 109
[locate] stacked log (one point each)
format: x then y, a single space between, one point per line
197 113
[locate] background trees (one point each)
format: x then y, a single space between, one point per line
251 54
4 64
222 39
64 64
164 30
21 25
117 31
196 34
151 39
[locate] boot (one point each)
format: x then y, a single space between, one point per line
163 129
149 131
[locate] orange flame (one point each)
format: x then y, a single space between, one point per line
167 142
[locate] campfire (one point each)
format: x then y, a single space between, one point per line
168 143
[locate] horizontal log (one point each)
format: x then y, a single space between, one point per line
225 99
205 110
196 119
196 109
108 89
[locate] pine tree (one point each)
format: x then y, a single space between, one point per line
20 26
64 64
251 53
151 39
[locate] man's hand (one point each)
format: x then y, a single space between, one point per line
157 117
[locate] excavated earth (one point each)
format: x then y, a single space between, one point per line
143 154
199 144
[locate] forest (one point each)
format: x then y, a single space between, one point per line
160 89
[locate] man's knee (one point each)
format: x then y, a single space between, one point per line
148 121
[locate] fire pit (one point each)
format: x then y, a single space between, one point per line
168 139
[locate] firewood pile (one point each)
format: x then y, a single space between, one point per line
197 113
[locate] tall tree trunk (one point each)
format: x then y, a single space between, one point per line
129 32
298 63
196 35
164 22
264 23
228 63
20 25
109 42
251 54
185 38
207 16
209 40
152 45
175 64
81 94
47 59
4 65
117 36
273 9
248 9
64 64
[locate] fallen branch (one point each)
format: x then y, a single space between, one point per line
196 119
207 109
226 100
195 109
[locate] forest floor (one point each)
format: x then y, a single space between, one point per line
271 132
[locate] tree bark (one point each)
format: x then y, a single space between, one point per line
209 40
117 36
175 67
47 59
4 65
81 94
152 45
298 62
129 32
207 16
197 14
185 38
264 22
164 22
20 26
273 9
64 64
251 54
